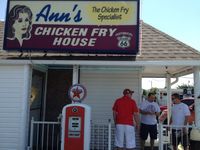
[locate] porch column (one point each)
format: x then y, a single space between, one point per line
196 95
75 74
25 106
169 93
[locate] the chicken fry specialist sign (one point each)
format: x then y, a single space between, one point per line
95 27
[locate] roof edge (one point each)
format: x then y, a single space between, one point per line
105 63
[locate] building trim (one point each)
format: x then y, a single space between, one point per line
103 63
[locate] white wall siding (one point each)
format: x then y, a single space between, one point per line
104 86
14 89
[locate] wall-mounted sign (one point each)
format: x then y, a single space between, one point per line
95 27
77 93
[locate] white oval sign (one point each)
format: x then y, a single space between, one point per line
77 93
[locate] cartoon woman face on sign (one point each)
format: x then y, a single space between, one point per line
20 23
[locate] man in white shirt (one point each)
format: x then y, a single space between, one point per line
179 119
149 110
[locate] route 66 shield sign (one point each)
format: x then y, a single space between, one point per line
124 41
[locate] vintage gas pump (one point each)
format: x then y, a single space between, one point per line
76 127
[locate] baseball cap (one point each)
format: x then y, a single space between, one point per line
127 91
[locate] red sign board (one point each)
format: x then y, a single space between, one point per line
86 27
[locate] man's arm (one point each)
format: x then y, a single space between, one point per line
147 113
137 119
186 120
114 116
157 114
185 123
170 121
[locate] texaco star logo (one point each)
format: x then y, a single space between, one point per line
77 93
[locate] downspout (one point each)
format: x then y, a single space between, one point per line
168 85
75 78
75 74
24 108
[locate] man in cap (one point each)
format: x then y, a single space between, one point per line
126 118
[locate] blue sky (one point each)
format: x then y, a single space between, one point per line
178 18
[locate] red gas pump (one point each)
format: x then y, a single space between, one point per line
76 127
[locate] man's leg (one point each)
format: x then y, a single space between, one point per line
152 143
142 144
174 147
119 137
174 139
153 134
130 137
185 142
143 135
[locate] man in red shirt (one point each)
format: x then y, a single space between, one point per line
126 118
